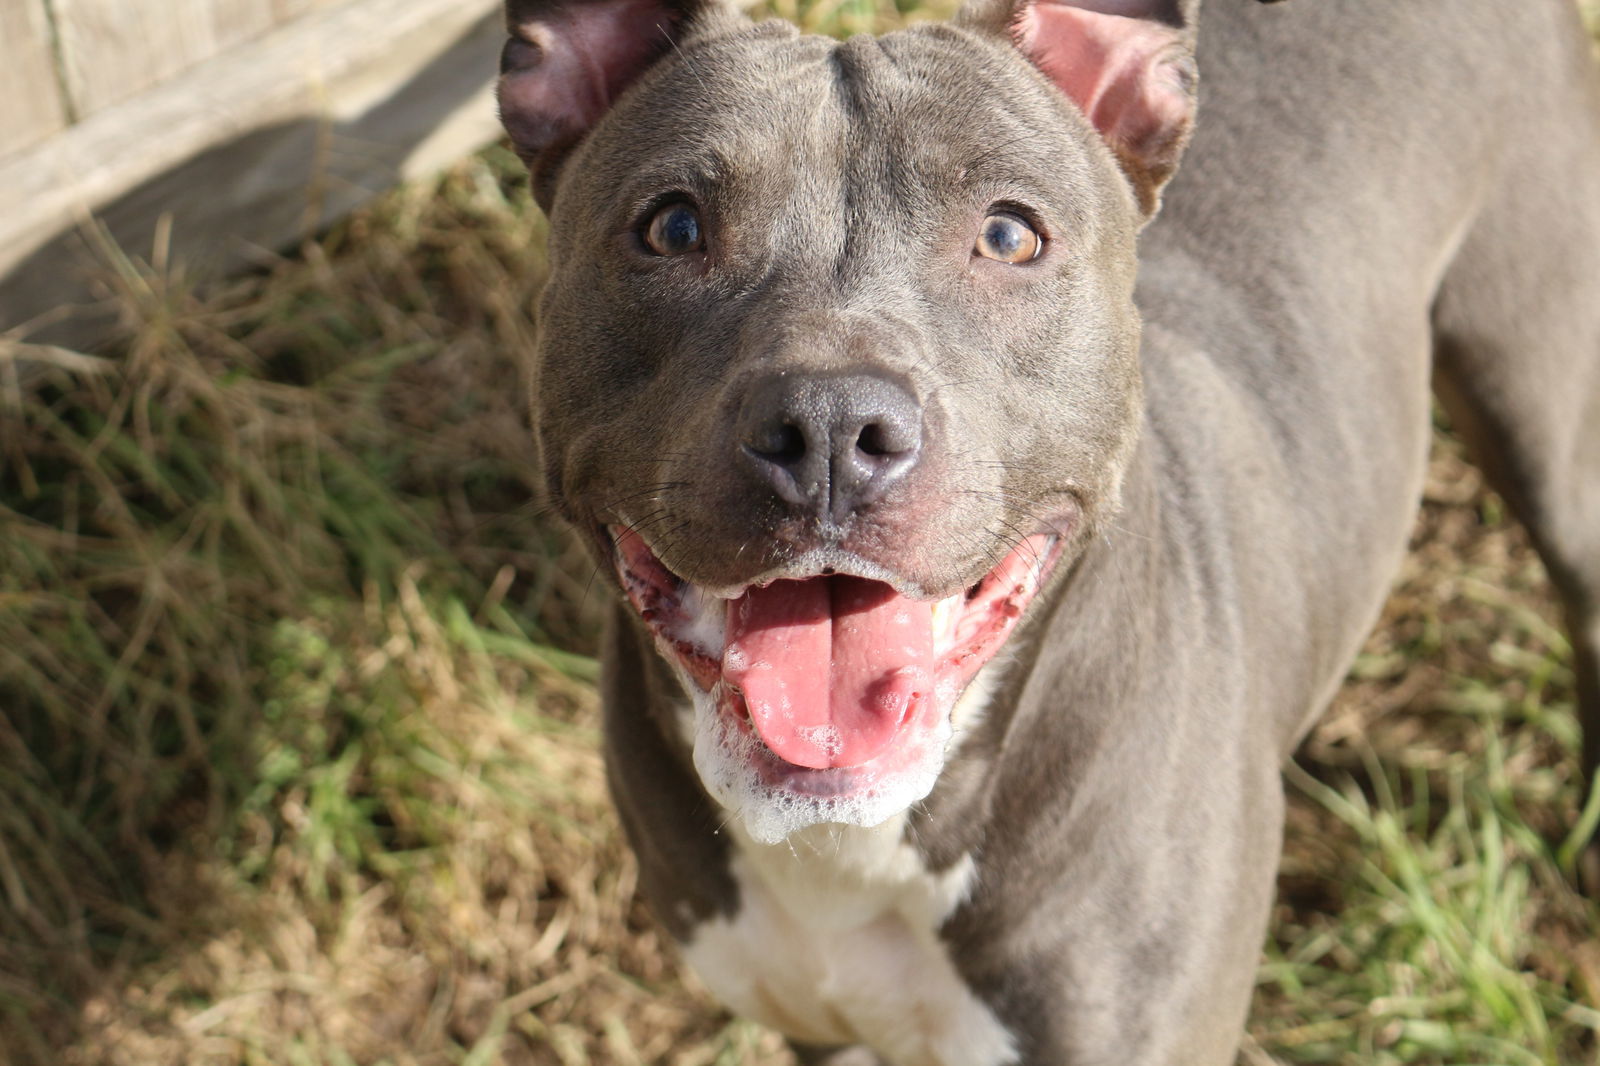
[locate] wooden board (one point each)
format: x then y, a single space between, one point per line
31 107
249 150
287 10
113 49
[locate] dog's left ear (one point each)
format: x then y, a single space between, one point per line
1128 64
566 61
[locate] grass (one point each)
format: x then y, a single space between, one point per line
297 743
1425 912
296 723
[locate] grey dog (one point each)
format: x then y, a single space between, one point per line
991 517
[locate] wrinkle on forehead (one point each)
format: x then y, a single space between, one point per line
923 98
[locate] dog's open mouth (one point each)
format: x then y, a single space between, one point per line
828 698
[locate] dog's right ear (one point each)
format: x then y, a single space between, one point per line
567 60
1127 64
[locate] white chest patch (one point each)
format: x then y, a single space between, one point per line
835 943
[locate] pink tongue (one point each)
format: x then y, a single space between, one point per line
830 668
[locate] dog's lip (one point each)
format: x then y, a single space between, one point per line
642 569
828 562
1058 513
818 562
881 681
825 561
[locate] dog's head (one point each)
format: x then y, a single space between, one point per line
838 362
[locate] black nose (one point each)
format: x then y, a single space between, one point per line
830 444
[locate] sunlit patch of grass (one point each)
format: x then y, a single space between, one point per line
1427 913
1436 951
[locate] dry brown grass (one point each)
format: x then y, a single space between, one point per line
513 936
293 769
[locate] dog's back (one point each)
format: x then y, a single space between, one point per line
1370 185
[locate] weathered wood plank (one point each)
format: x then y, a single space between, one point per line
30 95
250 149
113 49
288 10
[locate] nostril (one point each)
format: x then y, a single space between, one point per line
880 439
872 440
782 443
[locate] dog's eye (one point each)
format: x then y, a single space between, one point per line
1008 238
674 230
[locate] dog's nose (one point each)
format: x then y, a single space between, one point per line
830 444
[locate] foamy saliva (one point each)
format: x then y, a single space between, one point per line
737 770
705 620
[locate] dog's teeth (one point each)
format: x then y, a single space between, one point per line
946 613
705 619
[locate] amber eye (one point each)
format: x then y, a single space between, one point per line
1008 238
674 230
